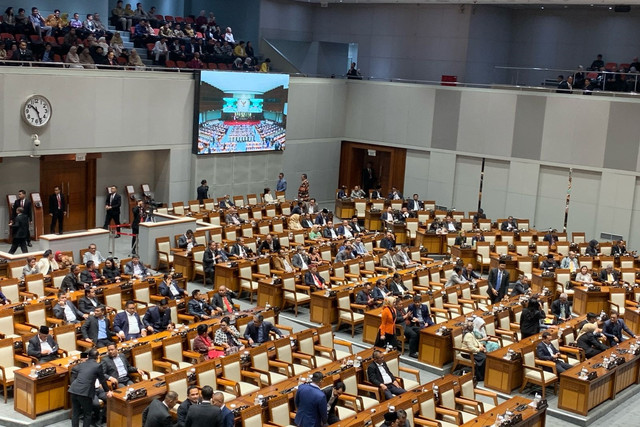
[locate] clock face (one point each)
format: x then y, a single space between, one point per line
37 111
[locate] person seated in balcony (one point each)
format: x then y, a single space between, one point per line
597 63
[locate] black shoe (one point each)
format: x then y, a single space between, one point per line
117 236
29 244
414 355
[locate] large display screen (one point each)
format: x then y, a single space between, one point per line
241 112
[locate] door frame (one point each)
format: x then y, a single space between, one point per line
351 176
90 183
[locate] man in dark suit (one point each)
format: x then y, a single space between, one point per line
222 300
257 331
329 232
380 376
550 237
418 318
23 202
332 394
117 368
158 316
509 225
561 308
397 287
169 288
228 419
394 194
239 249
609 275
90 276
311 403
135 268
57 209
209 261
355 225
83 388
546 351
42 346
377 193
67 311
88 303
186 240
20 231
415 204
269 244
157 413
226 202
193 398
613 328
306 221
205 414
96 329
313 279
23 53
368 178
138 214
71 282
202 191
521 287
197 305
322 218
498 282
364 297
112 208
388 241
128 325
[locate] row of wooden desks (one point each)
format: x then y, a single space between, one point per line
581 395
531 417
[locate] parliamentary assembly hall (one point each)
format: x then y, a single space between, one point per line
319 212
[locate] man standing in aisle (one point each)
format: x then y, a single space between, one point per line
23 202
281 185
83 388
57 210
112 207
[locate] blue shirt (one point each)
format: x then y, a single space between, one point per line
281 185
102 329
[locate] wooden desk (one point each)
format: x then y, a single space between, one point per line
531 417
183 263
345 208
128 413
434 349
538 283
400 231
467 255
434 243
324 309
228 276
268 292
372 220
580 396
632 319
35 396
589 301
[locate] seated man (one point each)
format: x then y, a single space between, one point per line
456 277
609 275
345 254
239 250
67 311
232 217
355 225
300 260
269 244
561 308
322 218
342 193
415 204
71 281
157 317
418 318
381 377
380 292
187 241
222 300
358 193
469 275
42 346
257 331
313 279
549 263
618 248
198 306
364 297
521 287
93 255
332 394
117 368
387 260
306 221
88 303
613 329
388 217
397 286
128 325
571 262
96 329
169 288
345 230
329 232
546 351
394 194
358 247
402 257
388 241
312 206
136 269
90 276
509 225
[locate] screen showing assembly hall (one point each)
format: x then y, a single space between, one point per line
241 112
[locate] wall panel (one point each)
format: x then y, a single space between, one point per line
466 183
551 197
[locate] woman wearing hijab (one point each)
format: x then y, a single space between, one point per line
470 343
86 60
480 332
294 222
588 341
73 59
117 44
135 60
102 42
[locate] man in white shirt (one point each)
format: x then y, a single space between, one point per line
116 367
42 346
380 376
93 255
66 311
128 325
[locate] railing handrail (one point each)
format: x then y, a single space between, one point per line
283 56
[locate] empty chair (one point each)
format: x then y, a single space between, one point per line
285 354
173 353
346 313
535 374
294 294
232 371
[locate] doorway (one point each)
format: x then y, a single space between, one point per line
388 164
77 181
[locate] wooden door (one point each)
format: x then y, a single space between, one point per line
388 163
77 181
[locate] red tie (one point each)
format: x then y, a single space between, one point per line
226 303
59 204
315 279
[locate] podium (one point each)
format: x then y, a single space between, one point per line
38 216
